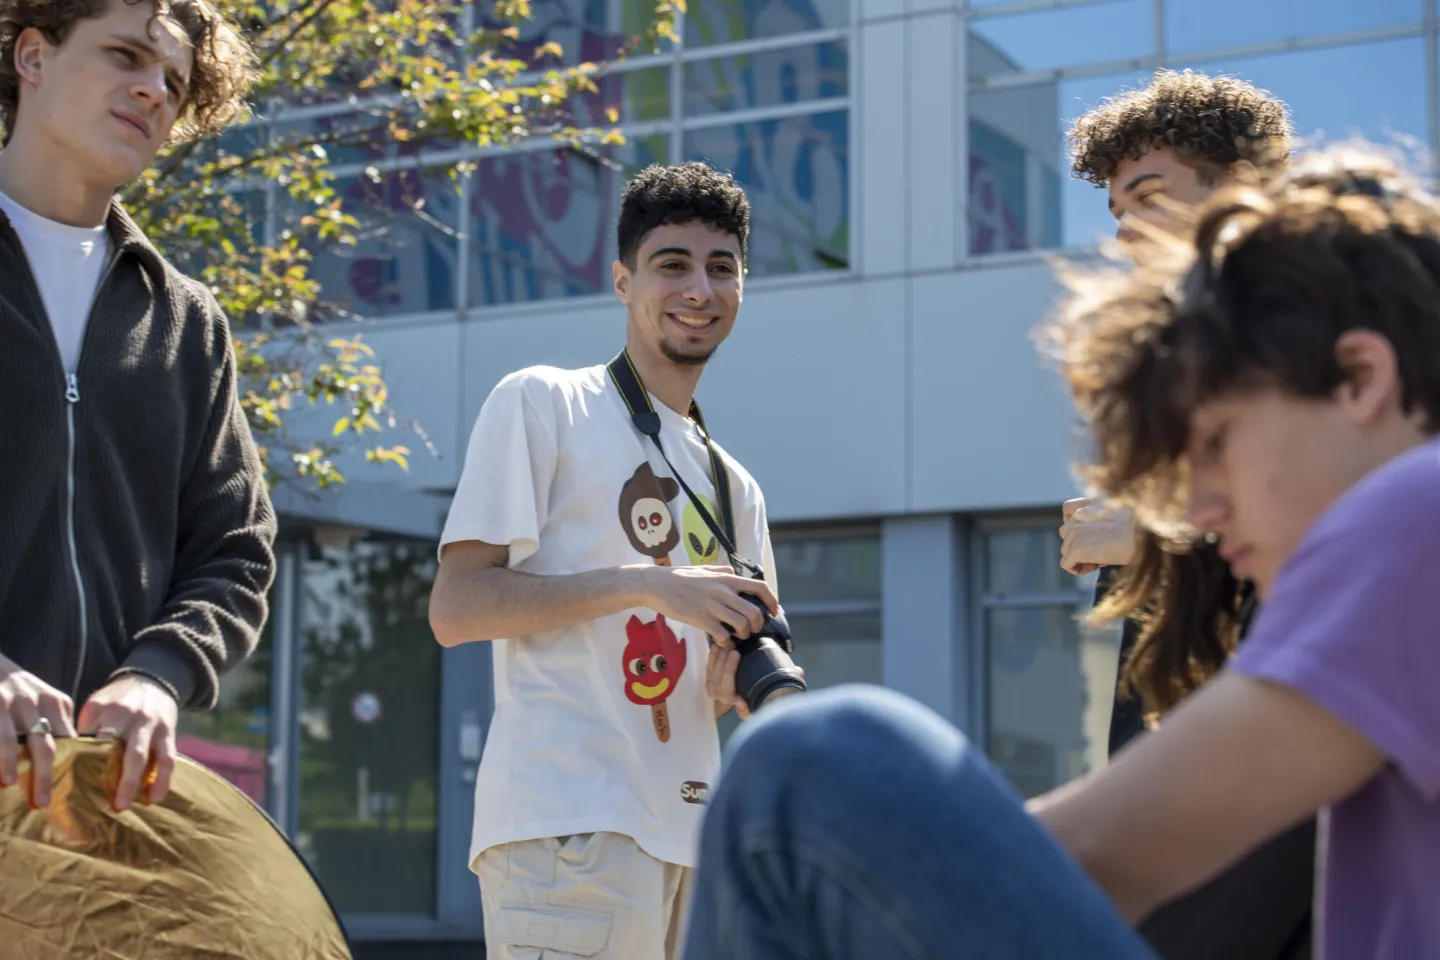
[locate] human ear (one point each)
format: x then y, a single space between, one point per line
621 276
1372 374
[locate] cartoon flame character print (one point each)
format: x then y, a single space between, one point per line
645 514
654 661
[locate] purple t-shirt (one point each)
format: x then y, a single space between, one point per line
1353 623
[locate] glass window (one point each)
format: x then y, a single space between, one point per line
729 21
832 649
1051 686
827 569
836 649
369 726
796 173
637 96
1373 90
1021 194
766 79
233 739
1069 36
1025 560
404 258
581 27
1192 25
543 222
830 589
1050 679
347 137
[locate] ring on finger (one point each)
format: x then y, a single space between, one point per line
40 728
108 733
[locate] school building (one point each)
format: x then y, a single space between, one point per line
905 164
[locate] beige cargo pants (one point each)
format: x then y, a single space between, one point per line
594 895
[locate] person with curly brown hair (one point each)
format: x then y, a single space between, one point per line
1160 151
1271 383
136 521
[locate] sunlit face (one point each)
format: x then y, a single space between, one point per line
1154 190
1265 464
684 291
107 98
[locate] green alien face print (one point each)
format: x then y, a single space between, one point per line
700 543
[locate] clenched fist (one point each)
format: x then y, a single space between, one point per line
1096 535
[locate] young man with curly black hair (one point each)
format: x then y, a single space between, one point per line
570 545
136 521
1272 383
1161 151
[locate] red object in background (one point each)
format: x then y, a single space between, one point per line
243 766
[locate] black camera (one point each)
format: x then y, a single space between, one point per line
766 671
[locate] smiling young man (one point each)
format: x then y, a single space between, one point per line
571 545
1275 384
136 521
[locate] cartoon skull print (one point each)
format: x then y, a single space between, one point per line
645 515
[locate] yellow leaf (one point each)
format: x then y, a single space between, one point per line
341 426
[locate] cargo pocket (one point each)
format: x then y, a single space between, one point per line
533 933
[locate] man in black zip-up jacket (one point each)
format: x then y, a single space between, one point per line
135 522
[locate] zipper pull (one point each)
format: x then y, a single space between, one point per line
72 388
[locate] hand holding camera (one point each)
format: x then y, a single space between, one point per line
707 598
738 612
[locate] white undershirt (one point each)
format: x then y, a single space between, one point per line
67 262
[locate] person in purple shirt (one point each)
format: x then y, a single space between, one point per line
1272 383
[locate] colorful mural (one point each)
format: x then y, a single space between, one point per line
541 222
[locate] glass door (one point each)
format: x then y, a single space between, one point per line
369 723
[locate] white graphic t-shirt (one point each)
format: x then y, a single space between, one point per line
604 725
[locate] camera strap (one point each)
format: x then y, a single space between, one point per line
647 421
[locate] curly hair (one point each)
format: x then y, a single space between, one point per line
1211 122
661 195
221 74
1189 611
1271 279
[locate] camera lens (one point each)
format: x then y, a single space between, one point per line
766 671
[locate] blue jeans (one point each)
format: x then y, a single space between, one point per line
854 822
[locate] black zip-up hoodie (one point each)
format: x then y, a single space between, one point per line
136 530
